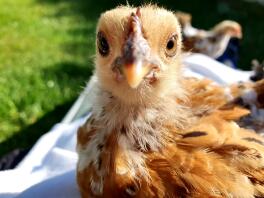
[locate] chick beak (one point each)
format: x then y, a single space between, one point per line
135 53
135 73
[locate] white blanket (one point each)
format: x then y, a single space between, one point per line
49 168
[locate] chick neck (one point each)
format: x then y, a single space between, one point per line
145 126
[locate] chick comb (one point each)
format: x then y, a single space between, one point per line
138 12
135 24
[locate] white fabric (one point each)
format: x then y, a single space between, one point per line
49 168
53 154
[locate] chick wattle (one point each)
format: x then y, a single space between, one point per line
155 133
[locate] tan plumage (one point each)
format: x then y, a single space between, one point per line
210 42
154 133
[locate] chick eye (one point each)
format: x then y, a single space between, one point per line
171 46
102 44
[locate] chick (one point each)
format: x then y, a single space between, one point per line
154 133
213 42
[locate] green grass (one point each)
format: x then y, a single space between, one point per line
45 62
46 48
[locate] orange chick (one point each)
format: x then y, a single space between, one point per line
154 133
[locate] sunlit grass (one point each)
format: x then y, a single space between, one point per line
43 61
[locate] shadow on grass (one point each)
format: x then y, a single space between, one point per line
70 72
29 135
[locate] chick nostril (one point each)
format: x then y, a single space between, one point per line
116 68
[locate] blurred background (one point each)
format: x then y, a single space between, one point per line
47 47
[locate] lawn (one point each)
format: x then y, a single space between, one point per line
46 50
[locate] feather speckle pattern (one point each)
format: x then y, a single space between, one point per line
172 137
